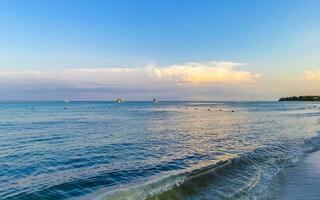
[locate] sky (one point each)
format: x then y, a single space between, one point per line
168 49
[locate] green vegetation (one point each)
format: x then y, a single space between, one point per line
301 98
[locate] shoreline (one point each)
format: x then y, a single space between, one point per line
301 181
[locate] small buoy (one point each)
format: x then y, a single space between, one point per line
65 108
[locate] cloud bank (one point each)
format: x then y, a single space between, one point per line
173 82
186 81
187 74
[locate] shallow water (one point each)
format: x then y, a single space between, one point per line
145 150
302 180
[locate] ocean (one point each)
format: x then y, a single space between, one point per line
146 150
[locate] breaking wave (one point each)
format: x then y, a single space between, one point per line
246 176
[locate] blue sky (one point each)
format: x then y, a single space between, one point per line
270 38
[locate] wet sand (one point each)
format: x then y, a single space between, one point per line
302 181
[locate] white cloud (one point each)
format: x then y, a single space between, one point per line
198 80
188 74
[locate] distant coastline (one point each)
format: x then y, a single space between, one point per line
300 98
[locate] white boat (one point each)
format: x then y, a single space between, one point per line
119 100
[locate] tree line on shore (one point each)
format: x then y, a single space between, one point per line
300 98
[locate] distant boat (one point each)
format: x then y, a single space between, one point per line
155 100
66 101
119 100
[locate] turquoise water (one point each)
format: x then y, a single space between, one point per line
145 150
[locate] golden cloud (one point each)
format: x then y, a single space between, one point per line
312 75
204 73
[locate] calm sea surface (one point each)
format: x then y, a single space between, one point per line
145 150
